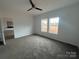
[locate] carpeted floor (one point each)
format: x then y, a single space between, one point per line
36 47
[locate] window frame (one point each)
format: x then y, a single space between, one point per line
48 24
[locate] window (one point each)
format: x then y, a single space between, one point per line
50 25
53 25
44 23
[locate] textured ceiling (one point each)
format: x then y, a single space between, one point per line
23 5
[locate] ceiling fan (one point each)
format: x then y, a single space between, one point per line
33 6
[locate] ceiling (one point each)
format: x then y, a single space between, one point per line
23 5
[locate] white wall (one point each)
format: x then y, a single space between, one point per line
23 24
68 26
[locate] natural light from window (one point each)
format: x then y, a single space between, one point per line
50 25
53 25
44 23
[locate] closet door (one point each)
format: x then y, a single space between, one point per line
2 32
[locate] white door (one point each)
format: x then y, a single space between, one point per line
2 32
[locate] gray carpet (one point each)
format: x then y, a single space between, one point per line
36 47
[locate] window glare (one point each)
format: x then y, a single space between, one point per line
50 25
53 25
54 20
44 25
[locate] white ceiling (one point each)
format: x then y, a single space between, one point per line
23 5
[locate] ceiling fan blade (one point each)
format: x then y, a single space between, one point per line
29 9
38 9
33 6
32 3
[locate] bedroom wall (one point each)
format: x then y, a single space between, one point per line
23 25
68 24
